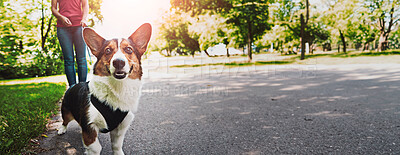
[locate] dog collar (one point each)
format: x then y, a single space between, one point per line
112 117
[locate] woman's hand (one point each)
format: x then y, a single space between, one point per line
83 23
65 21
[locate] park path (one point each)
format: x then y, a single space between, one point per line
287 109
271 109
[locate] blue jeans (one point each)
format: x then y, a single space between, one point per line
70 37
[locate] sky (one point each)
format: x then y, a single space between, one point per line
123 17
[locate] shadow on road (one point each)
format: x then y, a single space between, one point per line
353 110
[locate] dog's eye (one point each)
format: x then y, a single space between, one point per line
108 50
128 50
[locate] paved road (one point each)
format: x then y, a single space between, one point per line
349 109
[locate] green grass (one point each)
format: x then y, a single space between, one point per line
297 59
196 65
273 62
27 79
24 110
351 54
236 64
377 53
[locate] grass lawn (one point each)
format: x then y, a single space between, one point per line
351 57
52 79
24 111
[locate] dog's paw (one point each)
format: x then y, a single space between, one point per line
118 152
62 130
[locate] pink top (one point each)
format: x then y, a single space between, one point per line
71 9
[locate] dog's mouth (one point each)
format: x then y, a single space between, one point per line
120 74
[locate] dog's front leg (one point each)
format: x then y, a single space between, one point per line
90 141
118 134
94 148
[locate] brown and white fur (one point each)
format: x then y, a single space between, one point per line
116 81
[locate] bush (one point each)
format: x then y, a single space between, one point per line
40 65
24 110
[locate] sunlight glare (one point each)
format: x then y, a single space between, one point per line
123 17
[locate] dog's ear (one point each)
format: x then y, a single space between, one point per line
141 37
93 40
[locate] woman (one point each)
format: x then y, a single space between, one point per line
71 18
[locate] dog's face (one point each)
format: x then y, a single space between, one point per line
119 58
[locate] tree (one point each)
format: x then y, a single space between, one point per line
285 17
197 7
211 29
385 15
279 36
367 34
190 41
174 34
361 32
395 40
95 15
225 40
248 17
341 17
29 45
167 33
296 17
44 34
286 14
14 41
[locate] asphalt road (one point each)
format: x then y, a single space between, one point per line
349 109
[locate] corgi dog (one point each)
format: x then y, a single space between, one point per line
107 102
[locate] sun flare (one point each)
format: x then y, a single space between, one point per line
122 17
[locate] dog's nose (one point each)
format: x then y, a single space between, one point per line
119 63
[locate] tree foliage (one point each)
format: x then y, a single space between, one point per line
29 45
95 15
249 18
287 14
340 18
211 30
385 14
197 7
174 35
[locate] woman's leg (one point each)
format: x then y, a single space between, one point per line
65 39
80 49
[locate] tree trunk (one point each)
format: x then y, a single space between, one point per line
21 47
338 48
311 47
366 46
278 46
44 37
42 27
302 37
249 39
227 52
249 46
343 41
382 45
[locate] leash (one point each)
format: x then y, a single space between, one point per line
90 57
